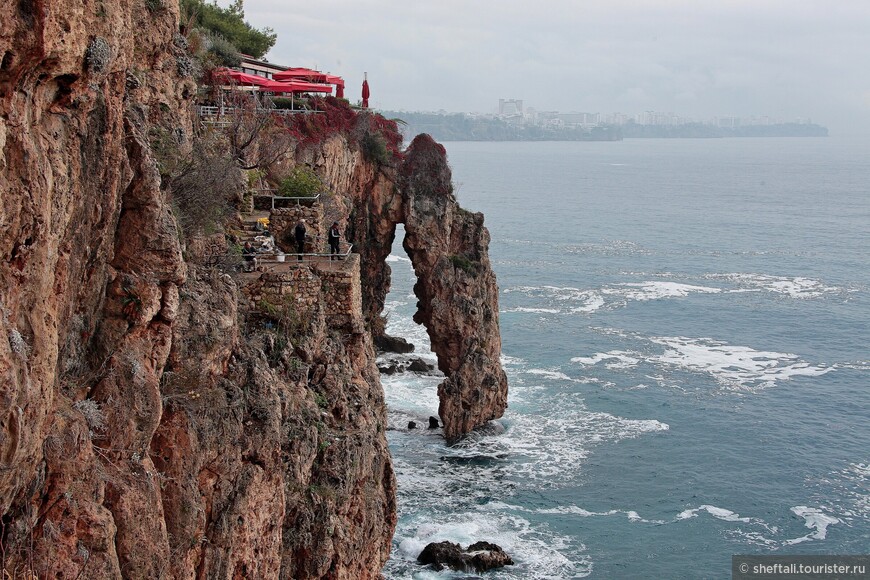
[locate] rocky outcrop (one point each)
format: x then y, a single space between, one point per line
448 247
456 288
479 557
273 452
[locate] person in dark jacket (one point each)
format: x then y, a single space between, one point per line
250 256
299 234
334 241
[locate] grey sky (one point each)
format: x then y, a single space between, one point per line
699 58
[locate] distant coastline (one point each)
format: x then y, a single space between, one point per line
462 127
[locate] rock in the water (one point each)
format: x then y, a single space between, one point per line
418 365
389 369
412 424
479 557
487 556
433 423
398 344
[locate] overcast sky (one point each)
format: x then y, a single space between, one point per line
698 58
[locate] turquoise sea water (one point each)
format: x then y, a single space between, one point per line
686 333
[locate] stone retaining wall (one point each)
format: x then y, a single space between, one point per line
299 291
283 220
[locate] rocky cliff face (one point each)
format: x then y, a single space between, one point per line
147 429
156 420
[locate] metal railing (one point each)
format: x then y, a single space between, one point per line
221 111
298 200
291 259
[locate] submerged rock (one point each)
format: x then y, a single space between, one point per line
386 343
418 365
479 557
388 369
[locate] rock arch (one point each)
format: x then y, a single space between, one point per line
456 287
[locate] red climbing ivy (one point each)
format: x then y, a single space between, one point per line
336 116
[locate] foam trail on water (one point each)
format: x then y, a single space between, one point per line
643 291
815 519
733 367
793 287
737 367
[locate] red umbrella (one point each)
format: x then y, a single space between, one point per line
295 87
234 76
365 91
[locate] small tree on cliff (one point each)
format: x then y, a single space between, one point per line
256 138
229 23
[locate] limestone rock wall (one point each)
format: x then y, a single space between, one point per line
88 282
147 428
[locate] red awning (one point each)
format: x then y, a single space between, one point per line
240 78
295 87
311 76
307 74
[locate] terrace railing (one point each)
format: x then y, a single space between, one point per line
269 194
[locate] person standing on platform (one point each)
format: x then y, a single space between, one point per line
299 234
334 241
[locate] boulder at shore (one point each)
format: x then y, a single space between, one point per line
386 343
479 557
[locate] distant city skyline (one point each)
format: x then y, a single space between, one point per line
739 58
510 108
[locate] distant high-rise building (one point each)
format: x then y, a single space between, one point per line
510 107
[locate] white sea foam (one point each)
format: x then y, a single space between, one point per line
814 519
533 310
655 290
716 512
556 299
591 304
861 365
792 286
734 367
615 359
397 258
550 374
631 515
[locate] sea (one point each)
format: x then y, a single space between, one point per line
686 333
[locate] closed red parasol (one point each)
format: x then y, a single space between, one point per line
365 91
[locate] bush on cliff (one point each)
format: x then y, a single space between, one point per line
302 182
203 185
374 148
229 23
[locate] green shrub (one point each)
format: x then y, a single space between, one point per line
374 148
223 50
229 23
296 103
302 182
463 263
